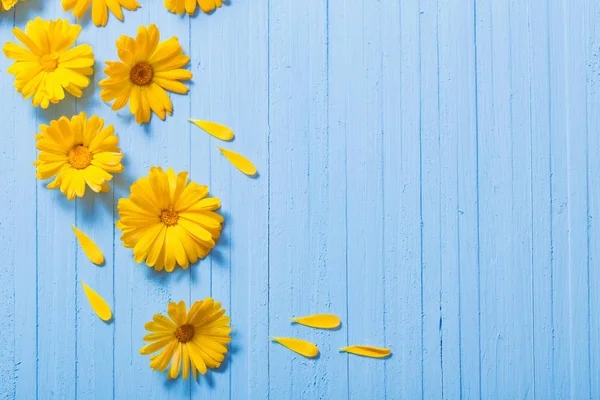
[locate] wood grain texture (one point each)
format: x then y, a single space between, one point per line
428 170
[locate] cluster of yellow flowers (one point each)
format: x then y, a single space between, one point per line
100 8
46 65
166 220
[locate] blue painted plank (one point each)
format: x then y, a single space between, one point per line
520 296
18 280
541 277
569 217
401 197
457 117
337 188
289 84
576 130
431 204
8 290
362 97
593 178
301 270
561 371
505 288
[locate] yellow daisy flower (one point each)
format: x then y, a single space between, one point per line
146 71
47 67
6 5
189 6
168 221
100 8
197 338
77 152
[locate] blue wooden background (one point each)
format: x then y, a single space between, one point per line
429 171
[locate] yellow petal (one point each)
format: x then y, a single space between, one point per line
239 161
302 347
89 247
367 351
321 321
212 128
98 304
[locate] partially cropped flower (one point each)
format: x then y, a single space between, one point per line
45 68
168 221
100 8
147 69
189 6
78 152
193 340
6 5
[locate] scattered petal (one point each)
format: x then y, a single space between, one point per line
89 247
302 347
239 161
98 304
212 128
367 351
320 321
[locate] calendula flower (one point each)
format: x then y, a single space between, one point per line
100 8
189 6
168 221
78 152
46 67
195 339
6 5
146 70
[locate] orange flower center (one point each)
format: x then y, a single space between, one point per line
169 217
49 62
184 333
141 74
80 157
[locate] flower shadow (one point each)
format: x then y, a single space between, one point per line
27 10
86 18
232 350
91 201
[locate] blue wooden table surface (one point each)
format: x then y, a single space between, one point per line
429 171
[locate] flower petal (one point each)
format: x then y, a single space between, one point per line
91 250
239 161
212 128
320 321
98 304
302 347
367 351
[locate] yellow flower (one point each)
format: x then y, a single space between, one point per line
168 221
47 66
146 71
6 5
180 6
76 152
197 338
99 8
